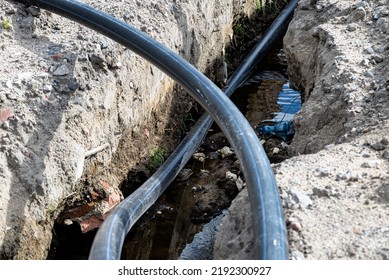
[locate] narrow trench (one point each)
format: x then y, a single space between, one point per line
202 191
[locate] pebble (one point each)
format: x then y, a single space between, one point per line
323 172
239 184
303 200
319 8
231 176
355 177
361 4
27 23
358 15
225 152
369 74
365 62
379 12
67 222
294 224
73 86
369 50
10 10
382 24
321 192
34 11
61 71
378 58
383 193
380 145
297 255
199 157
47 88
352 27
371 164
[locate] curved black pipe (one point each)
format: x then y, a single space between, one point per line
269 227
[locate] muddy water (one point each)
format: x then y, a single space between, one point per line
200 194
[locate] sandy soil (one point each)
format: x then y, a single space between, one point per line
335 187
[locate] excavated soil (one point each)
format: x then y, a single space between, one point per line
66 90
334 189
57 102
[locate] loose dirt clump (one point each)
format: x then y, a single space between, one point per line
66 90
334 188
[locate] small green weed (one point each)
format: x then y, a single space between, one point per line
6 24
258 5
187 121
158 156
238 29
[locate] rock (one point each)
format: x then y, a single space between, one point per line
73 86
321 192
201 248
303 200
371 164
294 224
61 71
231 176
385 154
229 244
34 11
47 88
199 157
369 50
225 152
323 172
383 193
378 12
352 27
240 184
67 222
27 23
297 255
358 15
97 61
10 10
383 24
380 145
378 58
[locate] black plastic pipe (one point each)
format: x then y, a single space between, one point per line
269 226
135 205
